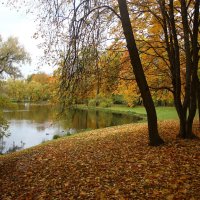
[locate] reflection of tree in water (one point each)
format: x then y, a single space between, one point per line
12 148
15 147
4 125
40 128
38 113
2 145
94 119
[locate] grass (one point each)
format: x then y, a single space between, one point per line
163 113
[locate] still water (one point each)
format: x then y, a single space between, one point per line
32 124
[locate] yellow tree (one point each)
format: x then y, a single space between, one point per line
172 35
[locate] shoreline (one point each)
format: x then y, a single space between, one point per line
163 113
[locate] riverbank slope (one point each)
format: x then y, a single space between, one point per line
163 112
110 163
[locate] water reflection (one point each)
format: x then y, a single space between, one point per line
32 124
8 149
83 119
34 113
2 144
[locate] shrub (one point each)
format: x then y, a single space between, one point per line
56 137
101 102
105 103
118 99
92 102
68 134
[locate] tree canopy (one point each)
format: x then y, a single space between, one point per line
12 56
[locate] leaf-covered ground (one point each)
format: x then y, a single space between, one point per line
111 163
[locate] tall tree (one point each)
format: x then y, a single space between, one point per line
139 74
12 54
173 37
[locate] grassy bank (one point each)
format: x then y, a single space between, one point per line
111 163
163 113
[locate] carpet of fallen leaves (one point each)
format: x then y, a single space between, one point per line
110 163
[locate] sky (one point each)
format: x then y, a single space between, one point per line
18 24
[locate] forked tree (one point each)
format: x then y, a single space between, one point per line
177 45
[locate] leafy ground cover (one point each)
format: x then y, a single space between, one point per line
110 163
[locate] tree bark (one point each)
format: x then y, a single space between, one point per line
198 98
192 108
172 48
190 40
191 54
154 137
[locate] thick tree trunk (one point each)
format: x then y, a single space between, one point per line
154 137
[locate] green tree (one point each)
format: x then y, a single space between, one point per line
12 56
38 87
16 90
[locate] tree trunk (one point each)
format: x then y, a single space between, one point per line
192 108
198 98
154 137
191 52
198 101
172 48
182 118
190 39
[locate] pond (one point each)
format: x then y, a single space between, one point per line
32 124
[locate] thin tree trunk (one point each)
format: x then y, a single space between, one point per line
172 48
192 109
181 108
191 53
187 99
154 137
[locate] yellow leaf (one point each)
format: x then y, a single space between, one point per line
170 197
